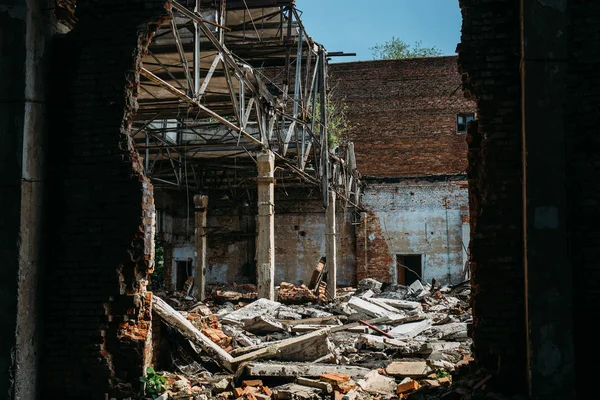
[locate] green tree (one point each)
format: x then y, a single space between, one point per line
395 48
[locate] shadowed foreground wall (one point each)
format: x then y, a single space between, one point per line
97 312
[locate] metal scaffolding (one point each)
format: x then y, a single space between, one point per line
224 80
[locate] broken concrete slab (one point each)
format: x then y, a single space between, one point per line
399 304
375 383
370 309
252 310
263 324
307 347
412 369
294 369
367 341
453 330
296 391
410 330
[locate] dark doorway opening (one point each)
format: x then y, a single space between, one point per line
408 268
183 270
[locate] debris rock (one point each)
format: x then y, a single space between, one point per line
375 383
413 369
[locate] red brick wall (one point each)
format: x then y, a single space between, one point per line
403 114
97 319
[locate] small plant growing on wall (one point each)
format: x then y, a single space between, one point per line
337 122
155 384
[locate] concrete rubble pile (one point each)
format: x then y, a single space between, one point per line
374 341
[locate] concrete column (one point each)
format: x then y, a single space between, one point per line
26 37
548 273
266 226
200 204
331 245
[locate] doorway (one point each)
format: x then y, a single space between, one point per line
408 268
183 270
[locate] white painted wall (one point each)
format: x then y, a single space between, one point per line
424 218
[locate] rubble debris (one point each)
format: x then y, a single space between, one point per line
263 324
407 387
290 294
340 382
412 369
177 321
410 330
308 346
294 369
324 386
369 309
376 341
375 383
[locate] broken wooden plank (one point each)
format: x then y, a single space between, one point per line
185 327
300 369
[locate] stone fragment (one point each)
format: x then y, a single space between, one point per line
410 330
375 383
413 369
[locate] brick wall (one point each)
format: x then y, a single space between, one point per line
403 114
97 312
489 55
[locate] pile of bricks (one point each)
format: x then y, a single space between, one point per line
211 327
291 294
253 390
341 383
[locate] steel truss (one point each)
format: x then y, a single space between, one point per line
224 80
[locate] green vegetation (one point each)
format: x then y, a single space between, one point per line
442 373
395 49
155 384
337 123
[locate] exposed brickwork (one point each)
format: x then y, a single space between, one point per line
403 114
489 58
97 319
583 192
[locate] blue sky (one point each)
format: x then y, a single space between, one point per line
353 26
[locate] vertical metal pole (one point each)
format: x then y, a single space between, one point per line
223 14
324 138
297 95
147 160
196 52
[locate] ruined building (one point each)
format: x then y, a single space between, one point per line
408 121
79 91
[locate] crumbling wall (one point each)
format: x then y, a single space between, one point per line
412 217
231 240
300 241
97 312
489 55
